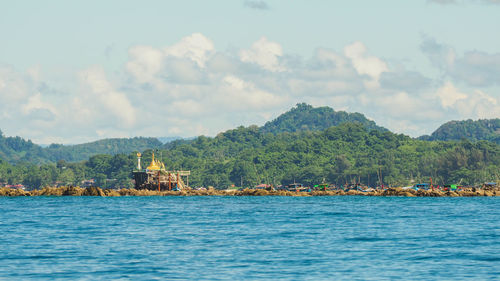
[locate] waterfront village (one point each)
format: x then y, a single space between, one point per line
155 179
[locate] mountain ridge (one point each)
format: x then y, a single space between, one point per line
305 117
301 118
17 149
473 130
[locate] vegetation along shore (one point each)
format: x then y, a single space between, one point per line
306 145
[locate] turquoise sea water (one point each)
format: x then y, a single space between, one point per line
248 238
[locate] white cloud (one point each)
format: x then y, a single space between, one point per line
399 103
189 88
363 63
189 108
34 72
113 101
327 64
449 95
441 56
195 47
473 105
238 93
150 65
264 53
479 105
476 68
222 63
404 80
145 63
14 87
35 104
182 71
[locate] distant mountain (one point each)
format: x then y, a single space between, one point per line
79 152
485 129
17 149
342 154
304 117
165 140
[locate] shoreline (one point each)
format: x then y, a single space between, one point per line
96 191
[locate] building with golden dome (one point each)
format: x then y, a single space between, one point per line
156 177
155 164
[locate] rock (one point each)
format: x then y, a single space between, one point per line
93 191
51 191
409 194
488 193
354 192
261 192
71 191
111 193
394 192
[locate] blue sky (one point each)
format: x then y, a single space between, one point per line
77 71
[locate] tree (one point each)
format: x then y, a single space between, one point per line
244 171
67 177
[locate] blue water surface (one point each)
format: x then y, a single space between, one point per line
248 238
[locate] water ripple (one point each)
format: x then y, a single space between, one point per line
249 238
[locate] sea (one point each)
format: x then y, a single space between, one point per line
249 238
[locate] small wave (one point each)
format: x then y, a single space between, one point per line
486 258
365 239
336 214
421 258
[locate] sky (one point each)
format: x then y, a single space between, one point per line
78 71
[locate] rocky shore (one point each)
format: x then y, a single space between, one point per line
96 191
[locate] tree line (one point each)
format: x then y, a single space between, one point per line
347 153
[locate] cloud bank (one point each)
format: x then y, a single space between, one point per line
190 88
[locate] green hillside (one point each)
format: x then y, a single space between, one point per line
345 153
341 154
80 152
17 149
304 117
486 129
293 147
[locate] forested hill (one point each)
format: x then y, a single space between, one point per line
304 117
346 153
113 146
17 149
486 129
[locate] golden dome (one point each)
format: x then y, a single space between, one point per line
154 164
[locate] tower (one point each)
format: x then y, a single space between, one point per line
138 161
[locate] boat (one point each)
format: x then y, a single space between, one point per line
296 187
424 186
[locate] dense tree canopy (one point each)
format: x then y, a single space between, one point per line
282 152
304 117
342 154
16 149
486 129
